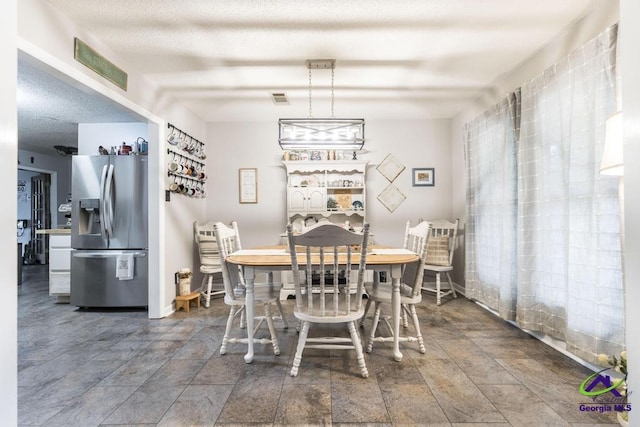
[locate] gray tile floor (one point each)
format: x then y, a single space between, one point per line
117 367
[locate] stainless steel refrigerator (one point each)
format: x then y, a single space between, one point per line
109 234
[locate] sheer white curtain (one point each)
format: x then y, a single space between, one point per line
490 230
569 252
543 225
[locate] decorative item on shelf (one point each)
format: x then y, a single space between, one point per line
331 203
321 133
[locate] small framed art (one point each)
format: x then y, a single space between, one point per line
248 179
424 177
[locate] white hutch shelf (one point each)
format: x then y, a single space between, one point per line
333 189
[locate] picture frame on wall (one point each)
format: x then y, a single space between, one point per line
424 177
248 185
390 167
391 197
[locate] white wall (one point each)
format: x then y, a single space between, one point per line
630 70
415 143
8 217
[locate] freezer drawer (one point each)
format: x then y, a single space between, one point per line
94 282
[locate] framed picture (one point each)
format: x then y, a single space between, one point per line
424 177
390 167
391 197
248 185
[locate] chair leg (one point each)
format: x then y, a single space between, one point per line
272 329
227 331
416 324
302 339
355 338
243 319
453 290
281 312
207 294
374 326
438 296
405 322
366 310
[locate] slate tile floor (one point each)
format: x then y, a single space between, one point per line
116 367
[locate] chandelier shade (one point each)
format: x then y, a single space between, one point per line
321 134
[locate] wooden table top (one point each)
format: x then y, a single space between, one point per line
278 256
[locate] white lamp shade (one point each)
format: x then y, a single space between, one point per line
612 158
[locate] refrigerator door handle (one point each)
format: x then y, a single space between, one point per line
109 254
108 202
103 180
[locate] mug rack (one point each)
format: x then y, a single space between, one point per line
186 143
187 152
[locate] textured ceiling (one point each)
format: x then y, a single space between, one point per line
50 108
394 59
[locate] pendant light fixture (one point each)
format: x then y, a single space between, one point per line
321 133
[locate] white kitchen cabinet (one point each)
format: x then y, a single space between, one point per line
307 199
60 266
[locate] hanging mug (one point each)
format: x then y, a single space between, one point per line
174 166
174 138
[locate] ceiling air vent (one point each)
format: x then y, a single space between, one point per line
279 98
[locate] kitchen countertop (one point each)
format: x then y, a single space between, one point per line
57 231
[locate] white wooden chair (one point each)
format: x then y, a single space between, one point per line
442 245
235 292
416 239
209 259
333 302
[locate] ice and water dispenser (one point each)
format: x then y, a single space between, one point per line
89 216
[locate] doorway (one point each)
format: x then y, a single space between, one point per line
34 213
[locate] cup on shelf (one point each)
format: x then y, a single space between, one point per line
174 187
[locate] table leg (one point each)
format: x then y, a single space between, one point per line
396 275
249 277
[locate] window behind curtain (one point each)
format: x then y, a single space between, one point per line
569 252
543 225
490 231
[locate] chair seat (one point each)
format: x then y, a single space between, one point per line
441 268
382 292
317 316
210 269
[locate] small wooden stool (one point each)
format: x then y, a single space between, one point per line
184 301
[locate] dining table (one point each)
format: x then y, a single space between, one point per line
278 258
